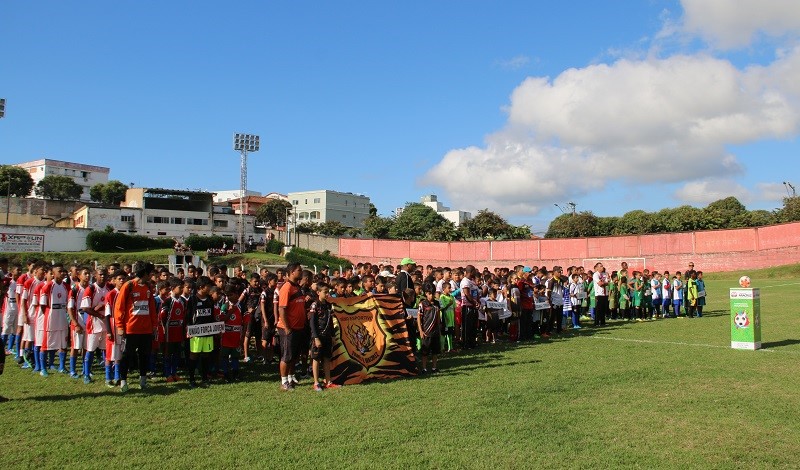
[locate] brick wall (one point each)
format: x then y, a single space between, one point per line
714 250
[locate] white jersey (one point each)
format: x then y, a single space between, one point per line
677 289
10 304
93 297
53 301
665 289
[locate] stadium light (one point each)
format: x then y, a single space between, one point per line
243 143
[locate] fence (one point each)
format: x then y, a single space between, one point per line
714 250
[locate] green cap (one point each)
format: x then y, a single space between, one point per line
406 261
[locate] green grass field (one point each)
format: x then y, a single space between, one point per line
660 394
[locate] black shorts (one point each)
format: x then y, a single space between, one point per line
267 334
291 345
325 351
255 325
431 345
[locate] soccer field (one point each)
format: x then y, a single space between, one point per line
666 393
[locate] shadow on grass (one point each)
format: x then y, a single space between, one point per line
778 344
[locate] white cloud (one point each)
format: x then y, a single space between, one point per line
774 192
639 121
709 190
728 24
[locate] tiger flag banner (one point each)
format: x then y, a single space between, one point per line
370 340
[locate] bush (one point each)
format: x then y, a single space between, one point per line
312 258
202 243
110 241
274 246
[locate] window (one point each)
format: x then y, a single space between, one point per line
162 233
295 202
345 202
315 215
157 220
197 221
85 174
126 218
221 223
306 202
178 220
302 216
316 200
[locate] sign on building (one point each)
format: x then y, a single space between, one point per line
21 243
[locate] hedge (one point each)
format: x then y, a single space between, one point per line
202 243
312 258
112 241
274 246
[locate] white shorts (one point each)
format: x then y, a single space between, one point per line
27 332
78 339
95 341
10 322
38 338
21 317
56 339
114 350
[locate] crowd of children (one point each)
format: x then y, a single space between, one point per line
124 317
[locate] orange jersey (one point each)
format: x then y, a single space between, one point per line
135 309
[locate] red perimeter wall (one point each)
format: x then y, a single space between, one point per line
714 250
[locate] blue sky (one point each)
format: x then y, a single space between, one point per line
512 106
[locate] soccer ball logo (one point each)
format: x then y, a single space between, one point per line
741 320
744 281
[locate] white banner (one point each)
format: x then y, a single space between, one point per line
541 305
205 329
502 306
412 312
21 243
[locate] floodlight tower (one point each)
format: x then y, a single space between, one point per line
243 143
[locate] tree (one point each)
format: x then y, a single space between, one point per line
486 224
112 192
415 222
760 218
354 232
726 213
580 224
377 227
19 179
307 227
373 211
332 228
446 232
273 213
58 187
790 211
636 222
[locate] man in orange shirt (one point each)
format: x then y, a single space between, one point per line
136 321
291 324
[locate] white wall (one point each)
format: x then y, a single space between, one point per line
55 239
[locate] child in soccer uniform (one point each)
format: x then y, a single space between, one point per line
613 296
321 338
39 346
666 294
624 299
171 318
77 322
701 293
636 286
11 314
200 310
428 321
269 307
235 324
93 305
541 312
647 299
53 300
677 293
492 323
655 289
447 304
251 299
114 344
691 294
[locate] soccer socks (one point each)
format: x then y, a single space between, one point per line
19 344
87 363
152 363
37 359
72 361
235 365
4 338
108 372
62 360
43 360
192 364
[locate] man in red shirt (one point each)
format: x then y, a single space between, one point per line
291 324
136 321
525 286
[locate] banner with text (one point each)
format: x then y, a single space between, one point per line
21 243
370 340
206 329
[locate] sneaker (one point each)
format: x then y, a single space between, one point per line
110 383
73 375
143 382
26 366
62 371
124 387
44 373
576 327
192 384
246 360
86 380
170 379
285 386
176 378
151 374
545 336
317 387
332 385
434 371
294 382
423 371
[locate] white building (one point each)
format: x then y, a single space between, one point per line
85 175
164 213
325 205
228 194
457 217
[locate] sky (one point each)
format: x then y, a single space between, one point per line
514 106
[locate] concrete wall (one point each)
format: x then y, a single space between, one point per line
29 211
308 241
716 250
55 239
